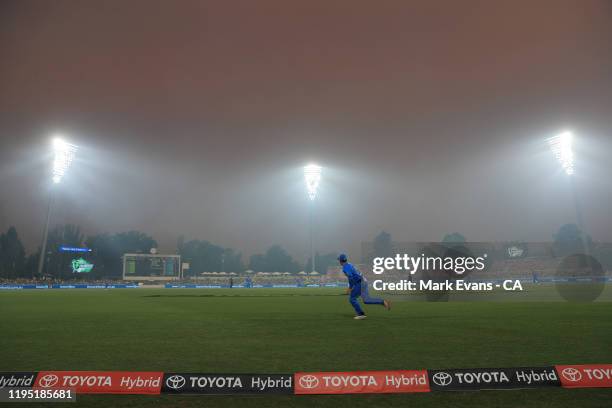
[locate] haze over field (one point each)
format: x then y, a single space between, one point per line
195 118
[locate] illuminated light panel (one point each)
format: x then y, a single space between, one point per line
64 153
561 146
312 176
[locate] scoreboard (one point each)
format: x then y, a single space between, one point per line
151 267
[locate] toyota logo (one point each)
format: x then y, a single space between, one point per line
309 381
175 382
571 374
48 380
442 379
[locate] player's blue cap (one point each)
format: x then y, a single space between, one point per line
342 258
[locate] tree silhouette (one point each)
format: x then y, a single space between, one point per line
12 255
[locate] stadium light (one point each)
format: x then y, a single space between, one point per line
561 146
312 176
63 155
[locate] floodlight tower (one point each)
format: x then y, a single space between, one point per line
312 176
63 155
561 147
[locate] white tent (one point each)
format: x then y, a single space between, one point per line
314 273
302 273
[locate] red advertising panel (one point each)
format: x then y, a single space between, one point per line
585 376
102 382
361 382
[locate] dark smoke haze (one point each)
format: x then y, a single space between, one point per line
195 117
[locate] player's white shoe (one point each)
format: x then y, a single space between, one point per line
359 317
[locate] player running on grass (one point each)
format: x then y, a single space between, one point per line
358 286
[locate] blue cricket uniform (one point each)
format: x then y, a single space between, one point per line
359 287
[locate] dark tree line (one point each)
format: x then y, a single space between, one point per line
108 249
569 239
203 256
13 263
323 262
276 259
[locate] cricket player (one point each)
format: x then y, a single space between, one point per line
358 286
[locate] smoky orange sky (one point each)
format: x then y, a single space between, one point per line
194 118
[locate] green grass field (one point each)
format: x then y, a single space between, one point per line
288 330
